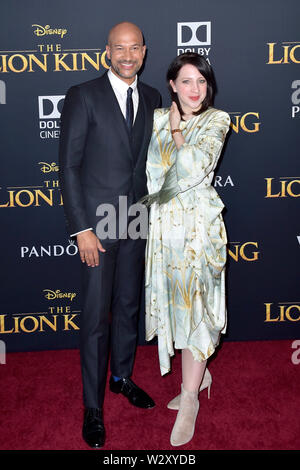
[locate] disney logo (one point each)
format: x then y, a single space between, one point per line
51 294
48 167
44 30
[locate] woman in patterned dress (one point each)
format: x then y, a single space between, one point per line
186 247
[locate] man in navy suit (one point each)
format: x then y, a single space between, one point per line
106 126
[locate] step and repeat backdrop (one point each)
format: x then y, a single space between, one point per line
254 48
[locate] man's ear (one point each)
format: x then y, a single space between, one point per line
107 48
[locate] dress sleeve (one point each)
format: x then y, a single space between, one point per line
154 167
195 161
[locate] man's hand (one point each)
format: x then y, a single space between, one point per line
89 246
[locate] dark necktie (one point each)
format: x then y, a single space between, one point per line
129 109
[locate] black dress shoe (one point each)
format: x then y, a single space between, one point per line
93 431
130 390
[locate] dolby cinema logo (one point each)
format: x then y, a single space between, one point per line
50 108
194 37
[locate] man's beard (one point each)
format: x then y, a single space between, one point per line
121 74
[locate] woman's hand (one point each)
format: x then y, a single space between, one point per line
174 117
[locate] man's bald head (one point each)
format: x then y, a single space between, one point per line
124 28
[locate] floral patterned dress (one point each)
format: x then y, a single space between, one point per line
186 246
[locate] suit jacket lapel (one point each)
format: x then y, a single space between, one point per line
113 106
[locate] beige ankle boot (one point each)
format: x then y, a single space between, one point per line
206 383
183 429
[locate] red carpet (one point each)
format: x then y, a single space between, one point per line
254 402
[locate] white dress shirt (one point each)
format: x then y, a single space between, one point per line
120 90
